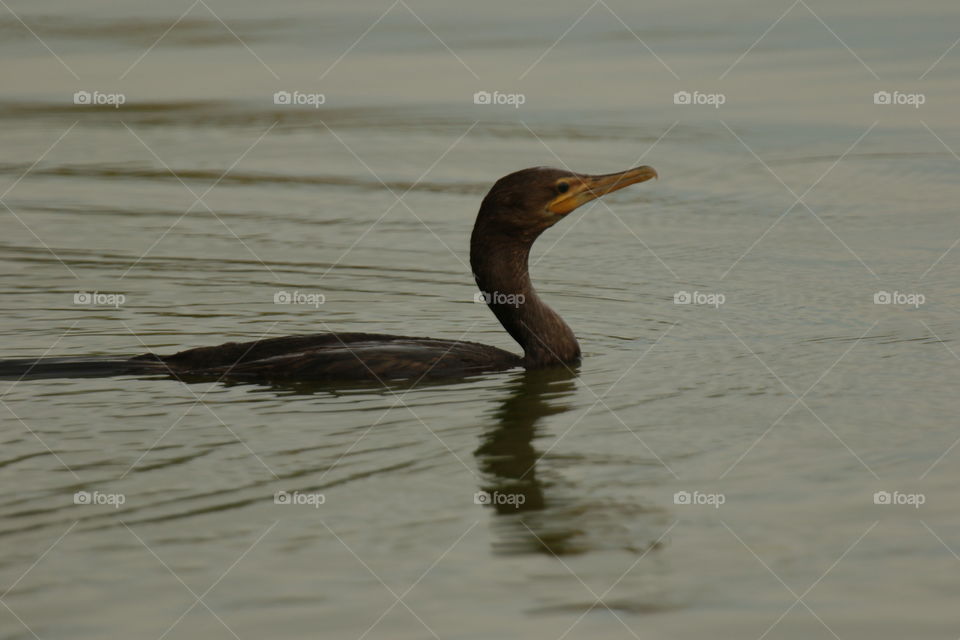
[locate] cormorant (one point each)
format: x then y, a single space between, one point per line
516 210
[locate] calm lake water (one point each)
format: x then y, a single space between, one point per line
719 468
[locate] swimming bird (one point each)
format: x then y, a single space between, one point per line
517 209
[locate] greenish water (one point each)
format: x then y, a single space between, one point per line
783 410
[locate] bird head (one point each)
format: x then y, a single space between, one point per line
532 200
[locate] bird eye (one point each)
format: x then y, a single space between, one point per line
563 187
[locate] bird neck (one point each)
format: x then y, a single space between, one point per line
500 267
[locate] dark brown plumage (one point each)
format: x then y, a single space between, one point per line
331 357
516 210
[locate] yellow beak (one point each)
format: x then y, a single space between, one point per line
585 188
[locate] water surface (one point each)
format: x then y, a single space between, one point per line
199 199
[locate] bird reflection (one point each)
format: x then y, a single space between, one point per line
508 459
